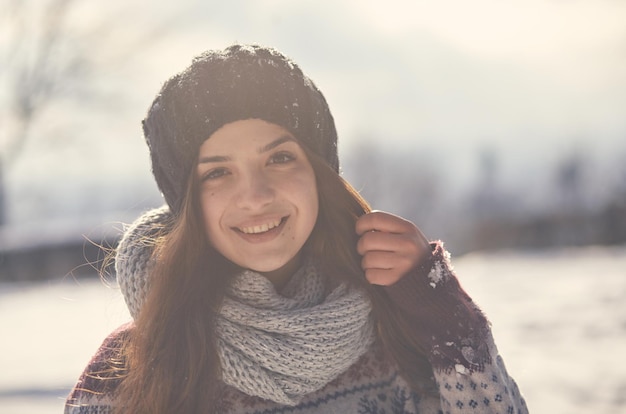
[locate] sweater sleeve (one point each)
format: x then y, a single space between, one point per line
469 372
98 382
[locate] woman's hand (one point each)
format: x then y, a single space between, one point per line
390 245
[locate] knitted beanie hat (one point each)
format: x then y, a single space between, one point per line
238 83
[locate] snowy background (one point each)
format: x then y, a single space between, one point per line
513 109
558 318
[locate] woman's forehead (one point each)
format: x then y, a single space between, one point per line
245 136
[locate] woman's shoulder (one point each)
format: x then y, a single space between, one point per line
104 371
110 352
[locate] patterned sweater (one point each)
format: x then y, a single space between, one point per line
469 374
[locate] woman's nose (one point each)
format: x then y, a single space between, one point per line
256 192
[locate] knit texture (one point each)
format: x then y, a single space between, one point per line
443 315
257 326
133 256
222 86
281 347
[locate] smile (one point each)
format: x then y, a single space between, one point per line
262 228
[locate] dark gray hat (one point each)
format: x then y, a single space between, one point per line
240 82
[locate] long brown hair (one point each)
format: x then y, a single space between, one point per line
334 241
171 355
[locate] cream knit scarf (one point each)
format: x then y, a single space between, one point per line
275 346
284 346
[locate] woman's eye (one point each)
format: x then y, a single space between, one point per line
281 157
215 174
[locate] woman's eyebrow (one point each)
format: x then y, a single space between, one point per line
275 143
216 158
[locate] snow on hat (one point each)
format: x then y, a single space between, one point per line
240 82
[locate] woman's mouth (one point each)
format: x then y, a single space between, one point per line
262 228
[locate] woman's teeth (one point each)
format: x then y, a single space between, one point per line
261 228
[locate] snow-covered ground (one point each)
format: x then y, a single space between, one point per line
559 318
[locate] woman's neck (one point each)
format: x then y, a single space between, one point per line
281 276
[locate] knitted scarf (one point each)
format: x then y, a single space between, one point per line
284 346
275 346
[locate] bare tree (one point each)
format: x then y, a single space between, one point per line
39 65
44 59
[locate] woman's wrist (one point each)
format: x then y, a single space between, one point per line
442 316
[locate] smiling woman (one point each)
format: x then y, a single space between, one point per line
266 285
258 197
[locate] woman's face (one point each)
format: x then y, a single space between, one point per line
258 196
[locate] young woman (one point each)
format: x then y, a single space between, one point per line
266 285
